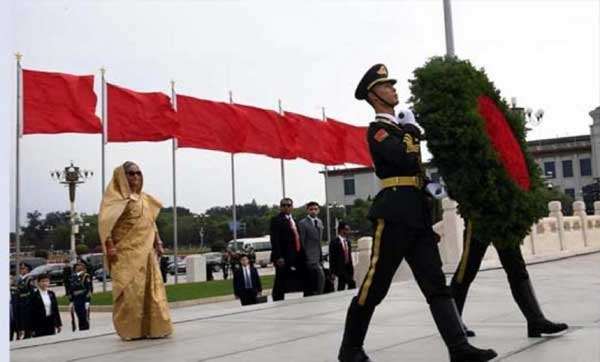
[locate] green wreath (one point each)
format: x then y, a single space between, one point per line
478 145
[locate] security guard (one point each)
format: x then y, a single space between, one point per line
403 228
25 290
520 285
80 295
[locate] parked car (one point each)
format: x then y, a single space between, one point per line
54 271
94 261
214 260
31 261
180 267
98 274
260 246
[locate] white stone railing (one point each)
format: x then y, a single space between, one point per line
553 237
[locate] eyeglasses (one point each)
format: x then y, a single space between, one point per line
133 173
286 205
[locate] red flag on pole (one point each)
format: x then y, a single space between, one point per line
136 116
315 141
59 103
265 132
209 125
353 140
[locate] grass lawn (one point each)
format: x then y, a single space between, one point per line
184 291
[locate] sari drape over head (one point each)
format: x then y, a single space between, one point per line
140 307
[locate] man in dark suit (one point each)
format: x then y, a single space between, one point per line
246 282
340 258
311 233
403 229
45 318
286 249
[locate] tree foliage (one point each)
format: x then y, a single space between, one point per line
445 94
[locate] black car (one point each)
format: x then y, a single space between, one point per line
54 271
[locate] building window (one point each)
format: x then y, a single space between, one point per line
550 169
567 166
585 164
570 192
349 186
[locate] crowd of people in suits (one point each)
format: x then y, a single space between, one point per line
34 307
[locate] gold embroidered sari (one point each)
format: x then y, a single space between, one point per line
140 308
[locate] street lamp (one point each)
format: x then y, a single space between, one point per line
533 119
71 176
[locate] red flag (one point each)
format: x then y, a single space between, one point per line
209 125
353 140
59 103
315 142
265 132
135 116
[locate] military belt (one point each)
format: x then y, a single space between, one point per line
79 292
414 181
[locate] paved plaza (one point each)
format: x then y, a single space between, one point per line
310 329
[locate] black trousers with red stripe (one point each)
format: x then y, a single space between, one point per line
394 242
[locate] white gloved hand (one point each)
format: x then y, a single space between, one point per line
436 190
87 305
406 116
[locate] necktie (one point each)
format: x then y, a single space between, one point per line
345 246
296 235
247 278
316 223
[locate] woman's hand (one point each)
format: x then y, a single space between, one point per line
158 246
111 251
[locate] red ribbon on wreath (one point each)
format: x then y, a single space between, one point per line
504 142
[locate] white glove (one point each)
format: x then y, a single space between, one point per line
87 305
436 190
406 116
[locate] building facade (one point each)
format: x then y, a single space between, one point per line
570 164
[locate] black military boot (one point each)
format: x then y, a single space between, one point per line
357 323
449 324
537 324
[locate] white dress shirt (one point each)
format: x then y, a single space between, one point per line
47 302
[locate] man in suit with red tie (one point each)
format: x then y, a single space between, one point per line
287 254
340 258
246 282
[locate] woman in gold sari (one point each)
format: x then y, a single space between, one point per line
131 244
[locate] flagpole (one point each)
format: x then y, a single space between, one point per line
448 28
174 103
103 113
326 175
282 162
233 205
19 56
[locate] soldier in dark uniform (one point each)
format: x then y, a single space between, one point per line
14 302
23 311
403 228
518 279
80 295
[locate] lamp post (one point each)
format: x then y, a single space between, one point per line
533 119
72 176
